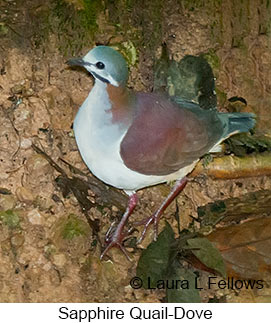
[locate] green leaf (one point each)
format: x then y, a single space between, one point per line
153 263
208 254
185 284
243 143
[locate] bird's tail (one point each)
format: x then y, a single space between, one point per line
238 122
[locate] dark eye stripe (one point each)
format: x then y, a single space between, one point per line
100 77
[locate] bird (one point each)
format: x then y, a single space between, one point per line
132 140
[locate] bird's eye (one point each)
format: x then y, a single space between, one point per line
100 65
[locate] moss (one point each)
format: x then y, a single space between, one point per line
71 235
73 227
89 14
3 29
221 96
153 37
10 218
213 59
128 50
139 21
75 28
77 25
216 28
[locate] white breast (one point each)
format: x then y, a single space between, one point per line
99 141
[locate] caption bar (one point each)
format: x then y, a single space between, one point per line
135 313
131 312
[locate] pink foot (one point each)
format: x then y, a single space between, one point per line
114 237
178 187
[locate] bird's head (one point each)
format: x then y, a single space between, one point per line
105 64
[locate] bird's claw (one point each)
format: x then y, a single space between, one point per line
115 243
147 222
114 238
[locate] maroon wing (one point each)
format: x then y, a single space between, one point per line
162 137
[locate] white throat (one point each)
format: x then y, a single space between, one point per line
98 139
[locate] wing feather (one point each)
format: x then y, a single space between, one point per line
164 137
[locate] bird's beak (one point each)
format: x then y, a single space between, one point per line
76 62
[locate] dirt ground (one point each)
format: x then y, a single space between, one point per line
41 258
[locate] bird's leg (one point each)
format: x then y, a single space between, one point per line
115 237
178 187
